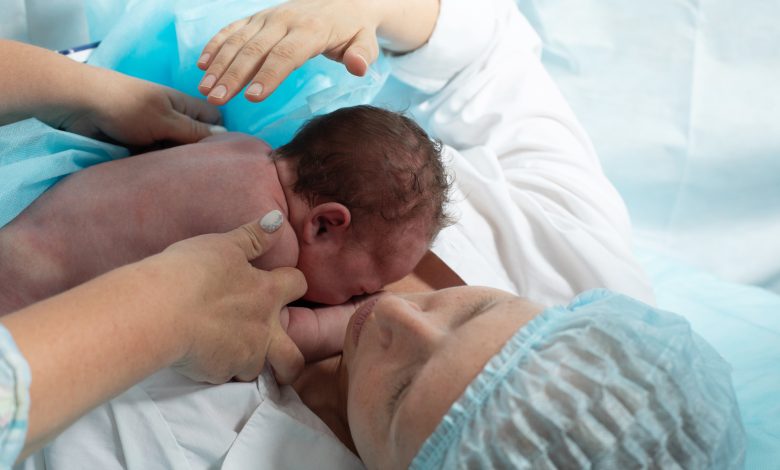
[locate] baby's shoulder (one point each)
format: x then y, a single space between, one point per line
238 141
238 154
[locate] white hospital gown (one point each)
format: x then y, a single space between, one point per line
534 207
536 217
14 399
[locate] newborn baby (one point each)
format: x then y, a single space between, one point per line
363 189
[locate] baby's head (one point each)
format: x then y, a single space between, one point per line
368 197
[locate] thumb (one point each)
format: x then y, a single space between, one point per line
361 53
256 238
185 130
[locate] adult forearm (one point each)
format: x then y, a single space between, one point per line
406 25
39 83
91 343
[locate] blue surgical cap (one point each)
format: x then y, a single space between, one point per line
607 382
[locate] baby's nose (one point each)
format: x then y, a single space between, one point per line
371 287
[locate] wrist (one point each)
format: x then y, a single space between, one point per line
406 25
170 331
41 84
77 97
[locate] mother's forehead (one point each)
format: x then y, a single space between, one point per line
461 357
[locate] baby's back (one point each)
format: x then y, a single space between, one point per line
124 210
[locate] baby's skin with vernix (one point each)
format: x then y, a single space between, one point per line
121 211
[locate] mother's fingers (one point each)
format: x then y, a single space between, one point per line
213 82
246 63
213 46
361 52
238 60
287 55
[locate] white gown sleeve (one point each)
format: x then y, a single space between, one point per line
537 215
14 399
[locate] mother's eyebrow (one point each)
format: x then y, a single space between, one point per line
477 307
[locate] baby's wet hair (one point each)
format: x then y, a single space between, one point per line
380 164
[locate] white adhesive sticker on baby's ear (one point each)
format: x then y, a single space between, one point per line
271 222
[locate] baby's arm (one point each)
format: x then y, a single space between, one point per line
319 333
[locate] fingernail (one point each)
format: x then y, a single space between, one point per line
217 130
271 222
204 58
219 92
255 89
208 81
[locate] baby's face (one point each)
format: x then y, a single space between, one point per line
356 270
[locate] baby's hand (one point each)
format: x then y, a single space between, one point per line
319 333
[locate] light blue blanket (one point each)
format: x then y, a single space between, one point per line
161 41
174 33
743 324
681 100
33 157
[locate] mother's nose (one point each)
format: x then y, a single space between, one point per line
403 324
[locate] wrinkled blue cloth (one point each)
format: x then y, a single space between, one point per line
33 157
607 382
681 101
743 324
162 40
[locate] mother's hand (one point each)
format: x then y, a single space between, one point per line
266 47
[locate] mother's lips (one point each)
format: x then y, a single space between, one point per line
360 316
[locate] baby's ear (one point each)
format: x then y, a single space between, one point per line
326 222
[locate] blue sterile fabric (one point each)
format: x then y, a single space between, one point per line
34 156
162 40
607 382
743 323
680 99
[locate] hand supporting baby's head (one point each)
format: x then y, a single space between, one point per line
373 189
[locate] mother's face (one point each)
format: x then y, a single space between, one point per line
408 358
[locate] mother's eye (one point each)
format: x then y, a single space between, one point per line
399 389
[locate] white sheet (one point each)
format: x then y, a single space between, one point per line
169 422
